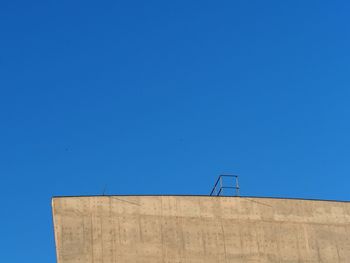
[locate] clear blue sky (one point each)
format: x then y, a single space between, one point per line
159 97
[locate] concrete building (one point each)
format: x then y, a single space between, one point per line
194 229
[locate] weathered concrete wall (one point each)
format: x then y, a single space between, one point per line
193 229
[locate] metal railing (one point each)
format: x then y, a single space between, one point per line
220 185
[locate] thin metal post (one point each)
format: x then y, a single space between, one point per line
221 189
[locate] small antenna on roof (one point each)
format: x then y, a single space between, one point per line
104 190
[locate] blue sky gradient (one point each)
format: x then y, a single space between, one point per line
159 97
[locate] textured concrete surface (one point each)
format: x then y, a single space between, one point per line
193 229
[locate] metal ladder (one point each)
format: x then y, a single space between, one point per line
220 186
